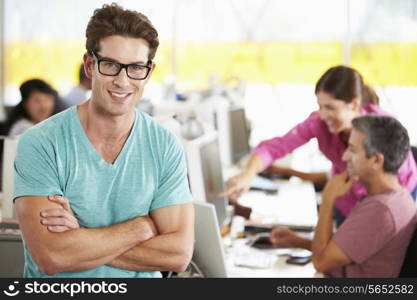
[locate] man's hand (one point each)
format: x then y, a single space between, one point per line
236 186
59 220
283 237
338 186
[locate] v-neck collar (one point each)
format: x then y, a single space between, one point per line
86 141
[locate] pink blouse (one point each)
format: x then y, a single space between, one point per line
333 147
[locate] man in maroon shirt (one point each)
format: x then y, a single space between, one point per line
373 240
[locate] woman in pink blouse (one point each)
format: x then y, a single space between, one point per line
340 96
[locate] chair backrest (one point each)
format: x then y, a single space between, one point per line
409 267
414 151
11 251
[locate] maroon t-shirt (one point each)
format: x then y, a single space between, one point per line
376 234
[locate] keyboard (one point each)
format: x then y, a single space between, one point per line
258 228
254 260
260 183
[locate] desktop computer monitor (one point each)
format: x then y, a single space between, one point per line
233 133
208 248
9 153
234 142
239 133
205 173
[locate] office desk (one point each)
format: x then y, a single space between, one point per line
278 268
295 204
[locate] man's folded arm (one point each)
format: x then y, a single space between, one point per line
171 249
78 249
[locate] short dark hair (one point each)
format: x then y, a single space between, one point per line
114 20
385 135
346 84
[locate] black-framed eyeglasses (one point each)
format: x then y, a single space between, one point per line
110 67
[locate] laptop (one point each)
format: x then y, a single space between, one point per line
208 248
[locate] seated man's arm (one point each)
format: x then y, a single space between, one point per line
282 236
327 255
77 249
330 258
171 249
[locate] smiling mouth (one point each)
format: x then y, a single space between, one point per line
119 97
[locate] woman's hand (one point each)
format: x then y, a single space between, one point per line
237 185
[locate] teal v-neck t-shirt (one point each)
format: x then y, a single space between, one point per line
56 157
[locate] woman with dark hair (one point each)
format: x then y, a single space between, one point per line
341 96
39 102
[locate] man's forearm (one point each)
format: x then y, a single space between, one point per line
166 252
324 229
89 248
326 254
171 249
76 249
83 248
303 243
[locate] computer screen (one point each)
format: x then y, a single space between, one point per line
205 173
212 172
239 133
233 133
9 153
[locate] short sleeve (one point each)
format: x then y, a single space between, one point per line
173 188
371 225
35 167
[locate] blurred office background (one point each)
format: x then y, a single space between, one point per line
271 52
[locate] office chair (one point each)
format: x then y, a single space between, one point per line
409 267
11 251
414 151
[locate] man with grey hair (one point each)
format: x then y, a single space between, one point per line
373 240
